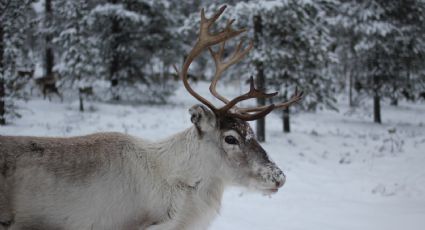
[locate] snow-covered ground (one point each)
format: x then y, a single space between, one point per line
343 171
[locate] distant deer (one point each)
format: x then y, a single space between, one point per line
408 95
117 181
47 85
25 73
86 91
23 76
422 95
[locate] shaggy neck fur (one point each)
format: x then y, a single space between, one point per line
195 171
189 158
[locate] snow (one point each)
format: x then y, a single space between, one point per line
119 11
343 171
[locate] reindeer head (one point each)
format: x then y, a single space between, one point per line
227 127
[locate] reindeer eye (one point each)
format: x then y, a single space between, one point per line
231 140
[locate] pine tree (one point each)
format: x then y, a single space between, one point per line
80 61
260 78
298 53
295 46
49 58
388 46
2 80
293 49
13 24
135 37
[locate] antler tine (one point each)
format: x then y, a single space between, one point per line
205 40
218 71
294 99
238 54
253 93
254 116
221 66
209 21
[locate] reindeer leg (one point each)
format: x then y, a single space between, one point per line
44 94
6 215
59 95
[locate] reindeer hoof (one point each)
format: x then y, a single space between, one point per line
6 224
6 219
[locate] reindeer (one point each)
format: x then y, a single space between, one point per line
422 95
86 90
117 181
21 79
27 74
47 84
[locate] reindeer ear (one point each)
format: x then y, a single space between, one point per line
202 118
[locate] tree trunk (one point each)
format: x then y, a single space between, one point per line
286 124
49 57
394 98
376 101
80 95
350 72
261 123
350 88
260 80
285 116
2 83
377 108
81 102
114 65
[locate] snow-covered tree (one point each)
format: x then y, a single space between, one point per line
386 44
293 47
80 62
135 37
14 22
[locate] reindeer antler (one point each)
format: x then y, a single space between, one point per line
206 40
221 66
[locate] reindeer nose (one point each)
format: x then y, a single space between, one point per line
281 181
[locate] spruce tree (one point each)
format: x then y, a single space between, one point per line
14 23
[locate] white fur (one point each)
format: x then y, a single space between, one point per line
176 183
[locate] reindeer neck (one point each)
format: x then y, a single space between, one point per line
188 158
